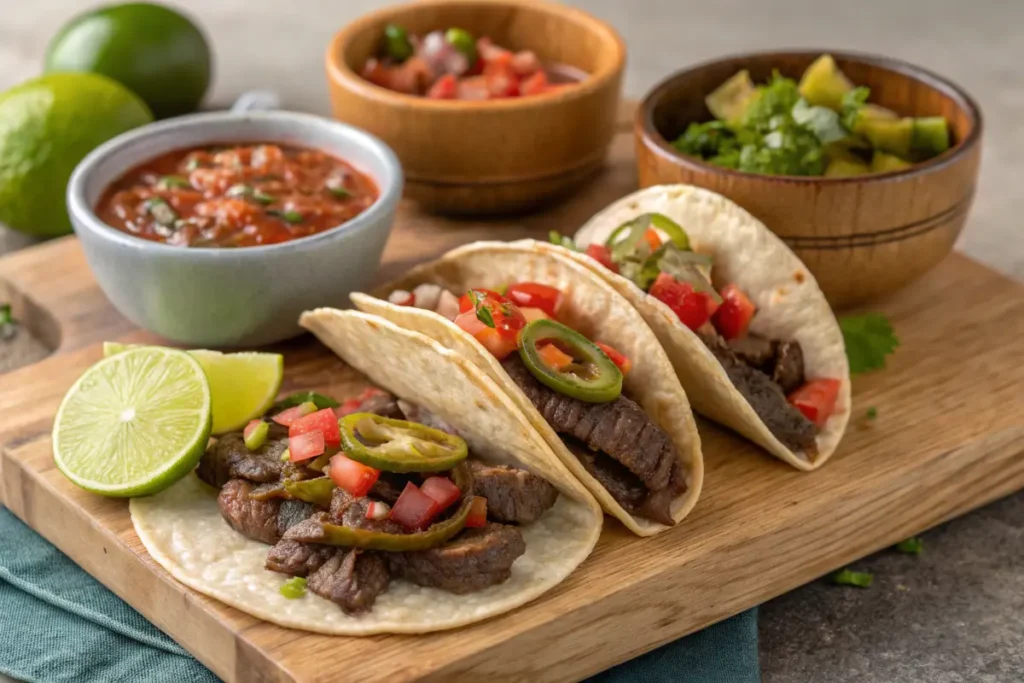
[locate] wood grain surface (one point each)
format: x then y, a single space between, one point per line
949 437
861 236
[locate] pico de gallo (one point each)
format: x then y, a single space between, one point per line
380 482
655 253
454 65
237 196
576 384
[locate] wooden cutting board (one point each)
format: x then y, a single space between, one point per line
949 437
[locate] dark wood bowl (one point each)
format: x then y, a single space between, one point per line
861 236
494 156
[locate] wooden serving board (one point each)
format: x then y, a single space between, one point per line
949 437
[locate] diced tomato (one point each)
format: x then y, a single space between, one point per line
354 477
502 338
443 490
535 295
602 255
401 297
711 304
253 424
444 88
526 63
378 510
816 399
489 52
535 84
474 87
305 446
623 363
532 314
477 513
499 345
502 80
323 421
652 238
287 417
414 509
689 306
732 319
347 407
466 302
554 357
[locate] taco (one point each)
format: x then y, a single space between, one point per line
400 510
610 409
746 326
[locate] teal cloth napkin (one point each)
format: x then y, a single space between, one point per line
59 625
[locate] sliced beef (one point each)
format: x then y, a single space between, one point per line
291 513
619 428
420 415
298 559
473 560
255 519
624 486
788 372
350 511
755 351
658 505
389 486
513 494
228 458
351 579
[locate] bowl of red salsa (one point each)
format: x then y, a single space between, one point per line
218 230
492 105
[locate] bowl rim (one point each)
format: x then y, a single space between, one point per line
341 75
657 143
85 214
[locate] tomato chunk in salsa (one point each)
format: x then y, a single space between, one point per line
241 196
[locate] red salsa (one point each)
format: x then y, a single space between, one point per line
243 196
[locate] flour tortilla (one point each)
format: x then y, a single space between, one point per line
591 306
790 306
183 531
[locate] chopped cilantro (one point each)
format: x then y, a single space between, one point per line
869 339
848 577
911 546
821 121
483 314
561 240
775 99
852 102
709 141
872 413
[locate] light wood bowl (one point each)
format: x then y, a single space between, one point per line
862 236
494 156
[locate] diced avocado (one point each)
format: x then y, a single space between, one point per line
730 100
823 84
883 163
841 168
931 136
894 137
872 112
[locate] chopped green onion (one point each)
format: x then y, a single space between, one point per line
161 211
288 216
294 588
339 192
319 400
911 546
168 181
847 577
257 437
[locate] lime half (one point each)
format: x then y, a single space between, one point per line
243 385
134 423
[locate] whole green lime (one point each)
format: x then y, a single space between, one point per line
153 50
46 126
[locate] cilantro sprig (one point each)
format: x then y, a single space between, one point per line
911 546
483 314
848 577
869 338
8 324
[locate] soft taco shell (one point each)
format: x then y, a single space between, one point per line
790 305
183 531
591 306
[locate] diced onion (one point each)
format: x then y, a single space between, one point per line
448 305
400 297
426 296
378 510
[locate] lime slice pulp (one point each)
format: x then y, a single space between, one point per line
134 423
243 385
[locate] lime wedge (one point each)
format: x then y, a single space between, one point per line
243 385
134 423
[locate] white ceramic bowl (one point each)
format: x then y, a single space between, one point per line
233 297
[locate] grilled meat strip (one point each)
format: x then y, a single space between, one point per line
471 561
298 559
229 458
513 495
352 579
255 519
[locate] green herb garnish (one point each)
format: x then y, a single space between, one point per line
847 577
483 314
911 546
288 216
561 240
294 588
869 338
7 322
339 192
161 211
852 103
319 400
872 413
170 181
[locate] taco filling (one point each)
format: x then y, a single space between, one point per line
576 386
655 254
376 490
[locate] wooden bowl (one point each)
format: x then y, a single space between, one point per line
492 156
861 236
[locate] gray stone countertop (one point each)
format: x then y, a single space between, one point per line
954 614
